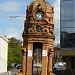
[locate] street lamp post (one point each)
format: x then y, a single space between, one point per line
16 16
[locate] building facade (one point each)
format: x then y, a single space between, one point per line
67 24
3 53
67 32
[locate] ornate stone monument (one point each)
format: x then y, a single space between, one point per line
38 37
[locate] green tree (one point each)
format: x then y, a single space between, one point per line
14 51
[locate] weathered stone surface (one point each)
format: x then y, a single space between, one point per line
38 28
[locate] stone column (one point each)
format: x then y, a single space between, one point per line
44 59
50 58
24 60
29 59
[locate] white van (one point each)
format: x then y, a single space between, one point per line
60 66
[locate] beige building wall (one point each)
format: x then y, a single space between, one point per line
3 53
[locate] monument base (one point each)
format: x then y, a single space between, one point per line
19 73
28 74
51 74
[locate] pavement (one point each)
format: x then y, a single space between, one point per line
12 72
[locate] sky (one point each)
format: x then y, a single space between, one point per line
13 27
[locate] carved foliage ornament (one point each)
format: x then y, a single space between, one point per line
32 30
38 12
41 30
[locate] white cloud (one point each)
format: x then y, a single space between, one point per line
16 35
10 6
57 21
14 32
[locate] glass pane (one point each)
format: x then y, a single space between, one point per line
68 38
67 24
67 10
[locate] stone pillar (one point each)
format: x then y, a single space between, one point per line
44 59
50 57
29 59
24 60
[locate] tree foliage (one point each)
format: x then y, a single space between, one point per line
14 51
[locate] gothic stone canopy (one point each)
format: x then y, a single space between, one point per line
39 19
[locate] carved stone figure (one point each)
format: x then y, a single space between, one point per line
45 30
48 31
50 50
51 31
32 30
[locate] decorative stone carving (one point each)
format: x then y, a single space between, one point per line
51 31
19 73
45 30
50 51
48 31
50 73
32 30
24 51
